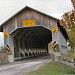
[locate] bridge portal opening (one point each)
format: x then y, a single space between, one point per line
31 41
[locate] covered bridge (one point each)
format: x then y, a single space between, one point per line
29 32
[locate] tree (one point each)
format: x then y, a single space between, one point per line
73 2
72 38
68 21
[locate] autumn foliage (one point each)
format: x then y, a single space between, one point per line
68 21
73 2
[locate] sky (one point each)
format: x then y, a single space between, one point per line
55 8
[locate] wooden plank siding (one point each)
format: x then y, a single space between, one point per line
29 14
9 26
39 18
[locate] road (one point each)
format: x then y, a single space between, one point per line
22 67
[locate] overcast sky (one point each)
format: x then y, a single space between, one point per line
55 8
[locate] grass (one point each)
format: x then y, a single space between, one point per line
3 62
70 54
54 68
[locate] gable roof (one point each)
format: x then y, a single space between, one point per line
31 9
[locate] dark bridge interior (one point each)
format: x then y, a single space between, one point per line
31 41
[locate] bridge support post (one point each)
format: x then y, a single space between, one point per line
9 41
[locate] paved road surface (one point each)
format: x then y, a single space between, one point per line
22 67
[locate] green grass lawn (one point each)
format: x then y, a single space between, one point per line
3 62
54 68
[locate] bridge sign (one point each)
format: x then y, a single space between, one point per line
54 30
29 23
6 34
